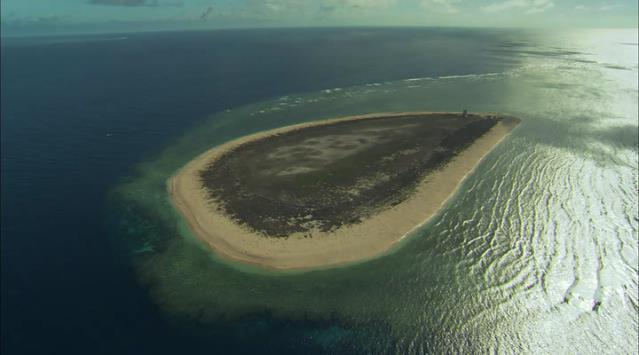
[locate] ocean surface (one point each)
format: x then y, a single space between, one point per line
536 253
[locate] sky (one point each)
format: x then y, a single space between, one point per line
54 16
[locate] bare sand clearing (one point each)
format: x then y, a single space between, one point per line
372 237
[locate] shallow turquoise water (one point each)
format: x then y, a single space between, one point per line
537 252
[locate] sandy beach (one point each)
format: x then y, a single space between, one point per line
368 239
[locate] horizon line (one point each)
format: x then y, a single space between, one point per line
63 33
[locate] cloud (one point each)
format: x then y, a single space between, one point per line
133 3
122 2
504 6
528 6
601 7
363 4
445 6
44 21
305 9
539 6
206 13
606 7
275 6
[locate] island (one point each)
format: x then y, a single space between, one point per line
330 192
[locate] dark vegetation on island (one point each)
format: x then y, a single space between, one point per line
324 177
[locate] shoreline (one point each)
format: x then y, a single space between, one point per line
371 238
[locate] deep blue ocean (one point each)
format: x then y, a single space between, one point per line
79 113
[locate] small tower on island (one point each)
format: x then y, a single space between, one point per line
465 113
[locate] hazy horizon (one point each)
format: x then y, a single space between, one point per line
113 16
